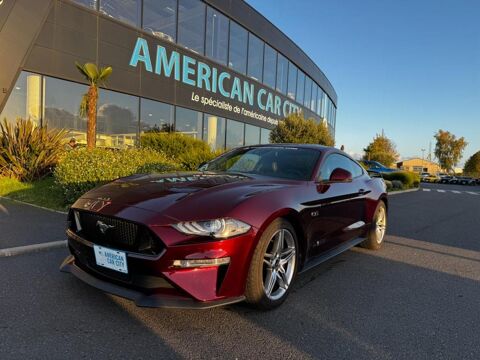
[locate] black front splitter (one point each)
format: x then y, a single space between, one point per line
141 299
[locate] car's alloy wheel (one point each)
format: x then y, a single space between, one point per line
376 234
380 224
273 266
279 264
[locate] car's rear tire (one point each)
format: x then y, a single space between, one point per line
273 267
377 232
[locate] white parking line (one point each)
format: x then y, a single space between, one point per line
32 248
453 191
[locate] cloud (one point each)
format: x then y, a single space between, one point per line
355 155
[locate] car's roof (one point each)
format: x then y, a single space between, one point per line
303 146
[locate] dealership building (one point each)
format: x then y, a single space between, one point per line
216 70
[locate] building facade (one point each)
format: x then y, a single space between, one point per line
419 165
216 70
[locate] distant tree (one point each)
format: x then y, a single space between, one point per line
88 106
448 149
296 129
472 166
381 149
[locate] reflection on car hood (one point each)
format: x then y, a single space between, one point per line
176 191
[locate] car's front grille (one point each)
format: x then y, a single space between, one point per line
114 232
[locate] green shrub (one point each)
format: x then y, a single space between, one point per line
183 149
82 170
29 152
409 179
389 184
296 129
397 184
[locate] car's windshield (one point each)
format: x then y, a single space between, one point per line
281 162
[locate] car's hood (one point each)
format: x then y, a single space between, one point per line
177 195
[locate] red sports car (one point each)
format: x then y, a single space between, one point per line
240 228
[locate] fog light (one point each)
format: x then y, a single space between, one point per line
200 262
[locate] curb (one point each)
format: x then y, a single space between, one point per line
403 191
20 250
37 206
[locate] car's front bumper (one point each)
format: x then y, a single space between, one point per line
153 281
140 298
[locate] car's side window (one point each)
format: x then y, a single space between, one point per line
334 161
357 170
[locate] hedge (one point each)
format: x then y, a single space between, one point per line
82 170
409 179
389 185
183 149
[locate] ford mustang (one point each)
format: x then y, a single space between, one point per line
239 229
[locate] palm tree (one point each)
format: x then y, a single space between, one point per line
88 106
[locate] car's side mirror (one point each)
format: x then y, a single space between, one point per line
340 175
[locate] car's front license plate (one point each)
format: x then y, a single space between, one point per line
111 259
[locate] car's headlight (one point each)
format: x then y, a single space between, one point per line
217 228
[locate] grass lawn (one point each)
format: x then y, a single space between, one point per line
42 192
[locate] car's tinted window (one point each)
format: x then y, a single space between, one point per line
334 161
287 163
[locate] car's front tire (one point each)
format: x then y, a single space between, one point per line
376 234
273 266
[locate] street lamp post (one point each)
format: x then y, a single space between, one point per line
423 157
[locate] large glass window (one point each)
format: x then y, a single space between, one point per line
125 10
292 81
234 134
191 24
216 46
62 104
252 134
25 99
117 119
214 131
269 67
188 122
265 136
313 102
300 87
255 57
282 74
327 112
160 18
155 116
89 3
308 92
237 55
320 96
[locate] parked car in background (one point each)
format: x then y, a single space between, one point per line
432 179
453 180
424 175
238 229
445 179
375 166
466 180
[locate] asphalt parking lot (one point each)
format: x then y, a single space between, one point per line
417 298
